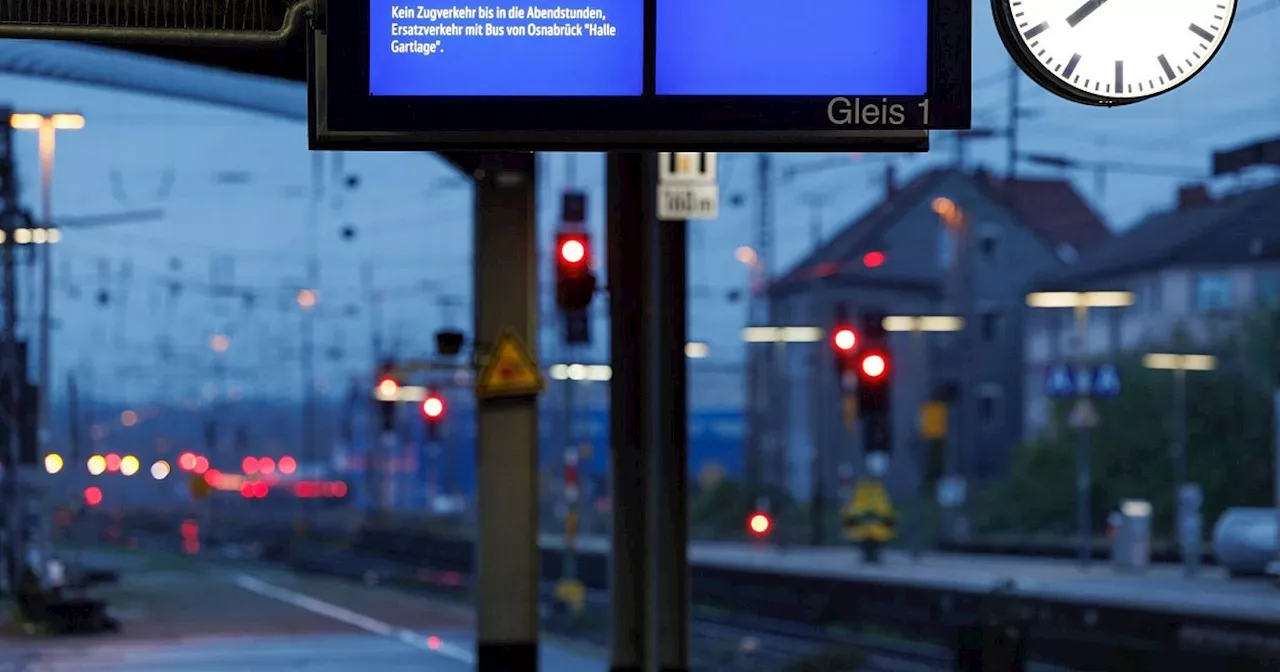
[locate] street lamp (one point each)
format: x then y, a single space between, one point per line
918 325
47 127
1080 303
1186 527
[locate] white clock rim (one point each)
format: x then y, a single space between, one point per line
1020 52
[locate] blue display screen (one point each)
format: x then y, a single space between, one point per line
523 48
567 48
792 47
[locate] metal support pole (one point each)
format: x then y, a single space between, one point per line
1275 483
570 570
669 498
817 464
506 283
9 220
780 391
629 218
920 459
1084 468
46 141
1178 452
310 451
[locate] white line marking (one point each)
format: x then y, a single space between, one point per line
333 611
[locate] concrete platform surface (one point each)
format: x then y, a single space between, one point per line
1210 592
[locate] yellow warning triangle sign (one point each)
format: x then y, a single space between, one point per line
511 371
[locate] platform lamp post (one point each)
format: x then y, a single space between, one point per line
1080 303
918 326
47 127
1186 495
780 337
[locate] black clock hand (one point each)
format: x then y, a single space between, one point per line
1085 10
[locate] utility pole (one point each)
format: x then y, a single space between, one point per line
1100 173
10 220
815 202
759 363
310 451
1015 115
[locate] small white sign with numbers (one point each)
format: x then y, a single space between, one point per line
687 187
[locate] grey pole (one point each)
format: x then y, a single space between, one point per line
11 367
1084 468
817 440
569 569
1179 450
506 296
920 460
628 221
1275 413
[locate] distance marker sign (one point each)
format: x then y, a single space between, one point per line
642 74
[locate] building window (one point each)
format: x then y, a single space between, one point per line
988 245
990 326
1156 294
946 247
1267 289
989 398
1214 291
989 242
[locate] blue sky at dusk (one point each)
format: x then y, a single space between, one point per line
239 188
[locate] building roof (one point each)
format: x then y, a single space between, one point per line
115 69
1241 228
1052 209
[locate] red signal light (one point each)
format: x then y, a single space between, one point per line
873 259
844 339
201 465
287 465
212 477
433 407
187 461
249 465
874 365
113 462
266 465
759 524
92 496
573 251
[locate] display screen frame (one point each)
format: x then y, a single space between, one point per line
345 115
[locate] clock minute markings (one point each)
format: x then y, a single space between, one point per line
1071 66
1089 7
1164 64
1201 32
1035 30
1119 76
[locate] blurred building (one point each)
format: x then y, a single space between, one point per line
1194 270
953 243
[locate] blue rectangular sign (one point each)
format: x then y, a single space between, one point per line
792 48
533 48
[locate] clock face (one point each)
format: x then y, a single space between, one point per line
1112 52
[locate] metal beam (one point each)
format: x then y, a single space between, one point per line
629 218
669 456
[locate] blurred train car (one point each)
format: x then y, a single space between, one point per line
1244 541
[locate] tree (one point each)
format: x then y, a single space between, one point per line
1228 453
